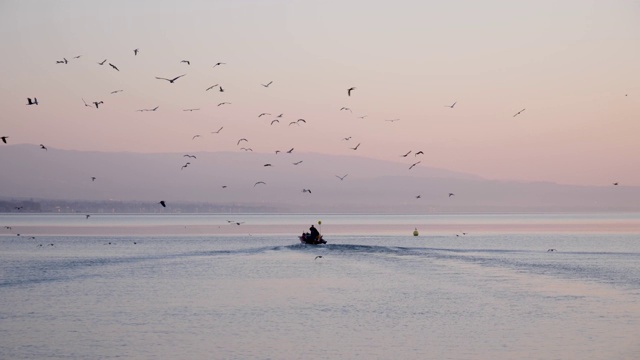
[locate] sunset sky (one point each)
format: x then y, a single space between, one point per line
574 65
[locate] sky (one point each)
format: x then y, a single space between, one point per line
573 66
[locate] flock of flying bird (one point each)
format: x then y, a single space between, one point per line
172 80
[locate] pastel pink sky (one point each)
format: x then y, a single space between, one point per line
573 65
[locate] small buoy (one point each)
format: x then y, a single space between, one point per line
415 232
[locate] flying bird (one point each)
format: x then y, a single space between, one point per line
267 165
217 132
290 151
135 52
297 162
220 88
211 87
103 61
190 156
185 165
414 164
220 63
224 103
85 103
243 139
87 216
4 139
306 190
362 117
259 182
347 138
93 178
451 106
154 109
63 61
345 108
349 90
615 184
342 177
318 257
190 109
195 136
113 66
171 80
418 153
294 123
97 104
418 196
246 149
451 194
77 57
274 121
355 148
186 61
267 84
263 114
162 203
116 91
32 102
407 154
43 147
518 113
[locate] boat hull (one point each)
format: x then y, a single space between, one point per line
309 241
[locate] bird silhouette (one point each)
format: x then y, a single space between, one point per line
97 104
113 66
185 165
171 80
63 61
418 196
93 178
32 102
418 153
519 112
162 203
259 182
393 120
243 139
349 90
87 216
220 63
414 164
190 109
451 194
297 162
615 183
135 52
451 106
224 103
186 61
267 84
4 139
306 190
103 61
154 109
342 177
407 154
217 132
274 121
43 147
190 156
195 136
85 103
355 148
267 165
116 91
346 108
318 257
220 88
211 87
290 151
263 114
347 138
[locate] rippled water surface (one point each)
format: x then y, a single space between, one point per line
241 296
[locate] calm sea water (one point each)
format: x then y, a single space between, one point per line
377 294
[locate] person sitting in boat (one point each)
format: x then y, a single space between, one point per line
315 234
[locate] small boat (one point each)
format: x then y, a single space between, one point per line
306 238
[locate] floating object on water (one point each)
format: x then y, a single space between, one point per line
415 232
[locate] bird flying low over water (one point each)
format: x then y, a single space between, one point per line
162 203
414 164
93 178
615 184
43 147
519 112
190 156
267 165
195 136
318 257
345 108
32 102
87 216
349 90
113 66
4 139
290 151
171 80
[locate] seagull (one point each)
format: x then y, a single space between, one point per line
190 156
220 63
418 153
103 61
154 109
195 136
186 61
267 165
63 61
303 120
171 80
306 190
97 103
518 113
217 132
77 57
451 106
342 177
267 84
113 66
451 194
280 115
135 52
297 162
220 88
414 164
318 257
243 139
345 108
116 91
355 148
347 138
405 155
32 102
185 165
259 182
275 120
93 178
294 123
224 103
615 183
190 109
43 147
290 151
85 103
4 139
162 203
246 149
211 87
263 114
349 90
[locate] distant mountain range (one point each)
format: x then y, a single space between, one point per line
227 180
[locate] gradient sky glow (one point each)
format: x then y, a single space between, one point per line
570 63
